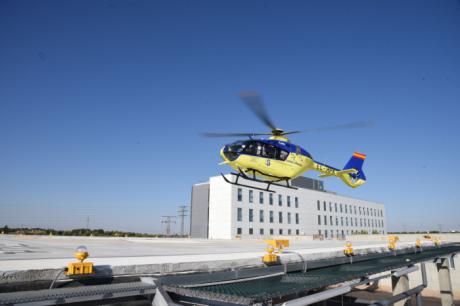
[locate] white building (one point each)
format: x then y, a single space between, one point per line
224 211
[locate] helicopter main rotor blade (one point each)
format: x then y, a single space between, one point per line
344 126
233 134
254 101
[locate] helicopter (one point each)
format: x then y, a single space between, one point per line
275 160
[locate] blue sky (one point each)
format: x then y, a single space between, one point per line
102 102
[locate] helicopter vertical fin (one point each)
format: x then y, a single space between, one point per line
356 162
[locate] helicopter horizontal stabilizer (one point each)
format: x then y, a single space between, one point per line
338 173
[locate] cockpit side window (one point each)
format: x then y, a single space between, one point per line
251 148
283 154
269 151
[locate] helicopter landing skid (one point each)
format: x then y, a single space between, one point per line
254 179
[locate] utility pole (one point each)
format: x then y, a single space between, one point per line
87 222
168 220
182 214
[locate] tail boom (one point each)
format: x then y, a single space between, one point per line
352 174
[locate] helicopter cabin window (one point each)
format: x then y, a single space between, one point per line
269 151
265 150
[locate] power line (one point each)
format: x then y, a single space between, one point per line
168 220
182 214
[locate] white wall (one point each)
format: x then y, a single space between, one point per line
220 209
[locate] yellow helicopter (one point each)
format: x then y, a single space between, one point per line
276 160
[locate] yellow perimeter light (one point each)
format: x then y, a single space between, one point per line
80 268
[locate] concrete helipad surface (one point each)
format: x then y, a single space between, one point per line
44 252
28 258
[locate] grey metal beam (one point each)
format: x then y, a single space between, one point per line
77 294
161 297
318 297
445 283
405 271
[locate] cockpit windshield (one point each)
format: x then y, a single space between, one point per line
237 147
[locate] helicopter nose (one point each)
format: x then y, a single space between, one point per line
227 154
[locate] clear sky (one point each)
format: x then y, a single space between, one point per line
102 102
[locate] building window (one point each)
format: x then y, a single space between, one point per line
251 215
239 231
319 232
261 216
289 231
330 206
270 198
261 197
296 202
346 221
251 231
335 204
280 200
318 205
346 208
240 214
297 232
288 201
325 233
271 216
336 221
341 208
341 221
280 231
360 210
356 221
332 234
325 220
250 196
331 222
360 222
319 220
324 205
289 217
271 231
240 195
296 218
280 217
351 221
261 231
354 208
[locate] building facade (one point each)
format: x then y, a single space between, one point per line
224 211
